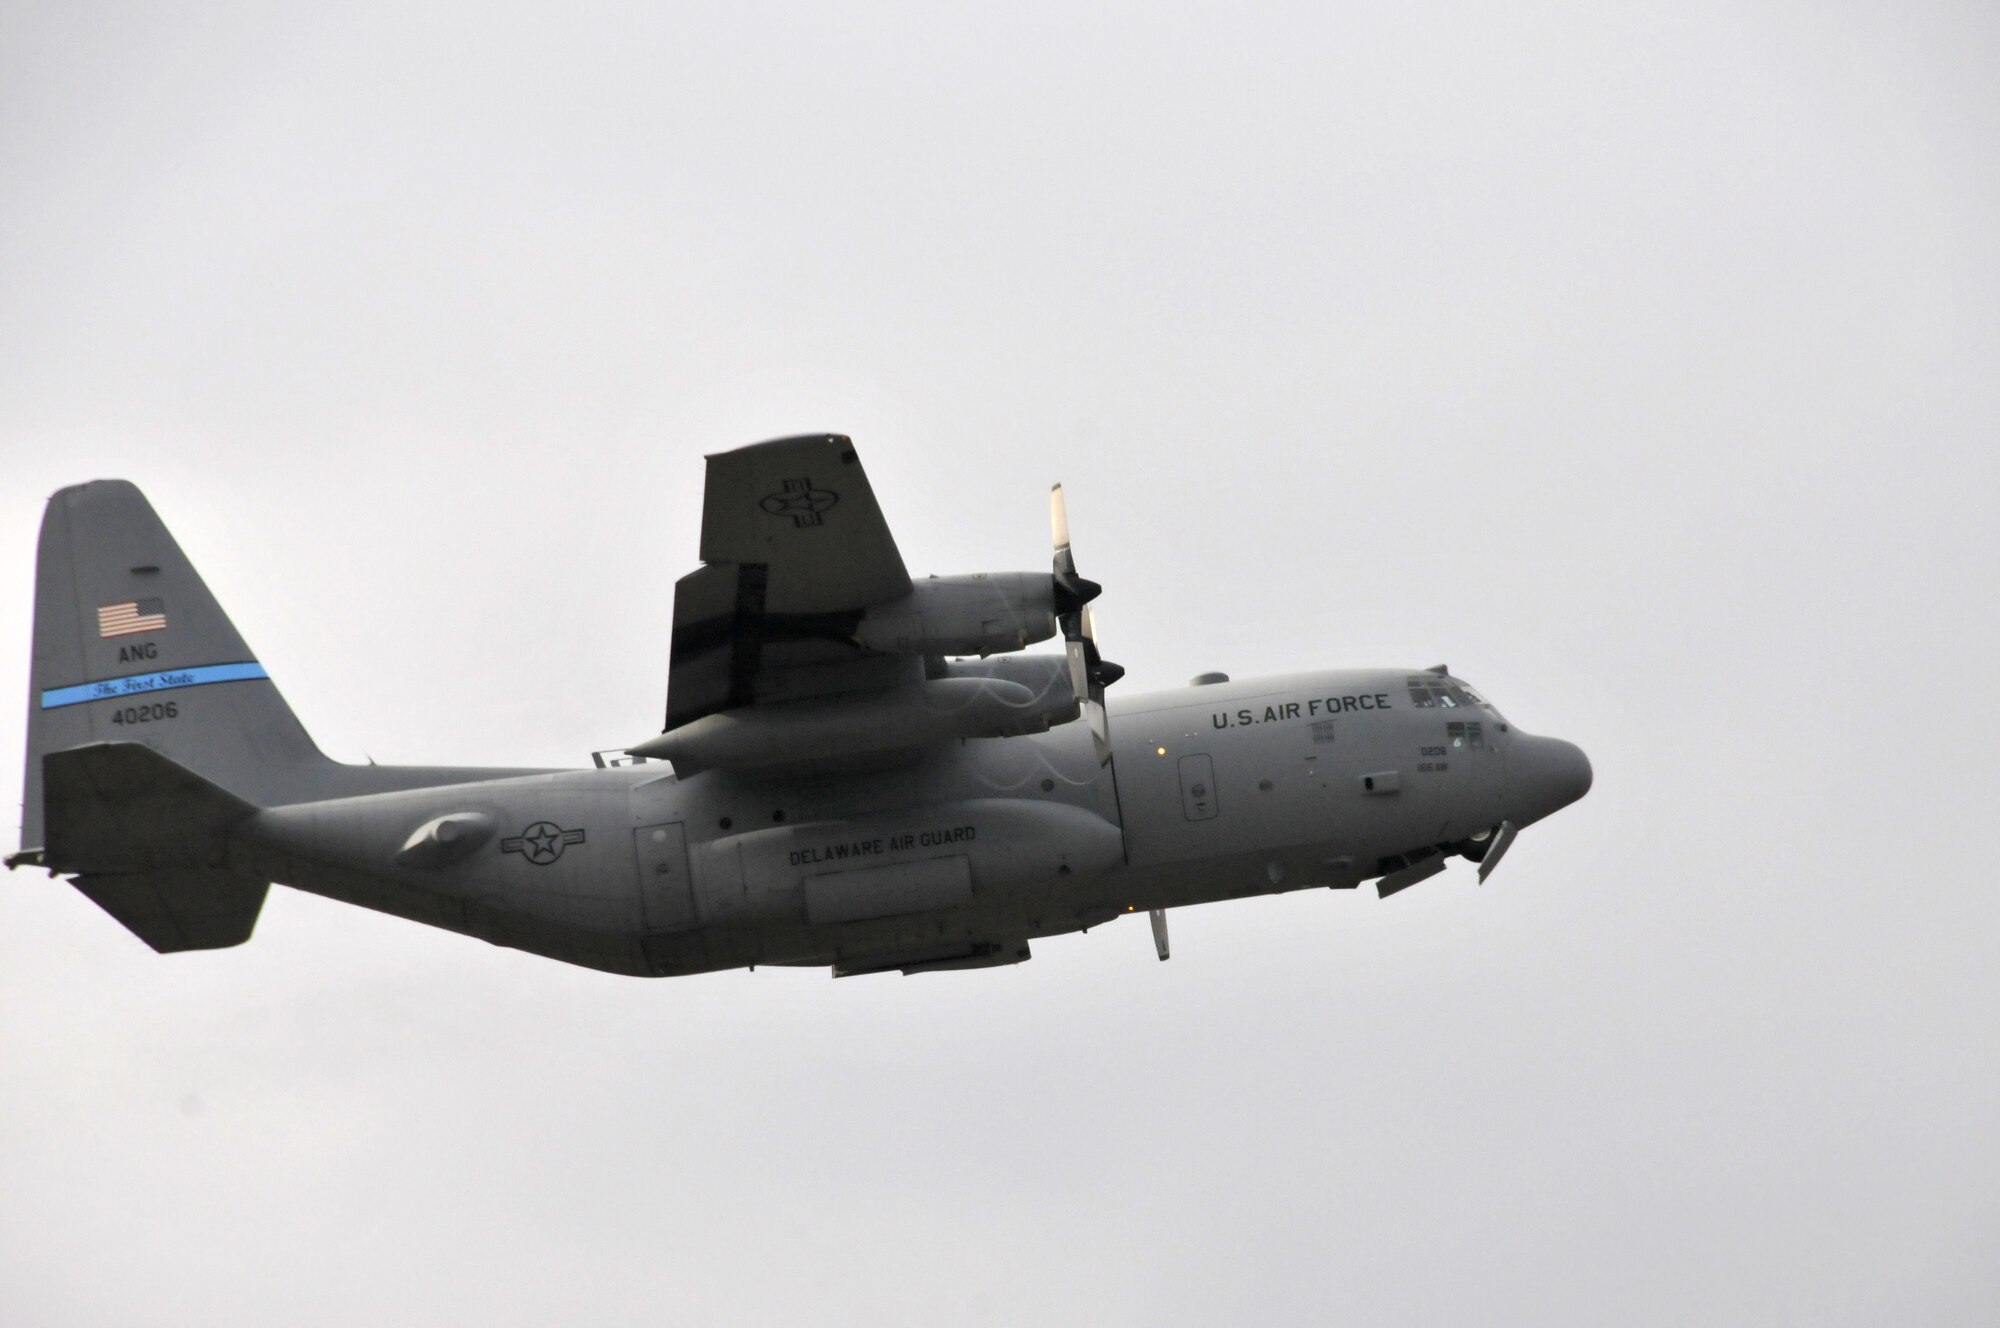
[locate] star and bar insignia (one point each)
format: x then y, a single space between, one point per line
541 843
800 501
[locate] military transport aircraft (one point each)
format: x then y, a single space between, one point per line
859 770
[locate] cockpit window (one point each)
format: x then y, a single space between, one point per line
1426 692
1430 691
1466 736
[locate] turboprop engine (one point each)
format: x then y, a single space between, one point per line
988 699
989 613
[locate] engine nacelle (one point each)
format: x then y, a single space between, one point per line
1047 676
986 614
846 729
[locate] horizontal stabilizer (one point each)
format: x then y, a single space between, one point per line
190 909
116 807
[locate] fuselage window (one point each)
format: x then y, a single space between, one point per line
1465 737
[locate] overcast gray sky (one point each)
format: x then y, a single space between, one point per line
1637 360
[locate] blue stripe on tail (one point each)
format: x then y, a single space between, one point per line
138 684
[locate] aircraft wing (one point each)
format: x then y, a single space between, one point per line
794 549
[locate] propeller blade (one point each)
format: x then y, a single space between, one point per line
1059 531
1089 672
1159 916
1072 591
1079 668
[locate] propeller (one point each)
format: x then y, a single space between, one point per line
1089 672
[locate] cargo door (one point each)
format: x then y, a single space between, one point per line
666 891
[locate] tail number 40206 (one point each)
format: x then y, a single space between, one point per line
146 714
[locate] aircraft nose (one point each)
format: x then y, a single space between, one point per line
1544 775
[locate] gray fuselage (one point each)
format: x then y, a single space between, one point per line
1213 792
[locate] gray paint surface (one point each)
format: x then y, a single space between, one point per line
1638 363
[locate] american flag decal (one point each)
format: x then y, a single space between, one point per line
134 615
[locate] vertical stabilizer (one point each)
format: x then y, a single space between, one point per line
129 646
